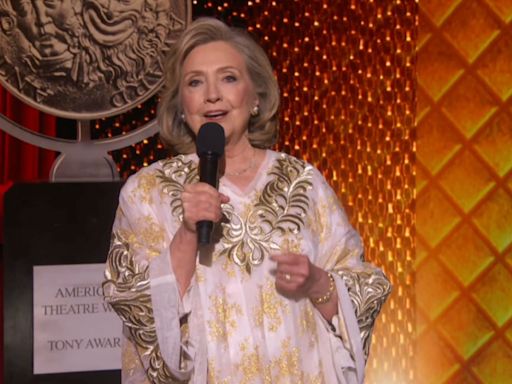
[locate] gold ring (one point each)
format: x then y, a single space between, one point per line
287 276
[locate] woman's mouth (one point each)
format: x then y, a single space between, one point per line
215 115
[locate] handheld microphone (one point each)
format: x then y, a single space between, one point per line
210 144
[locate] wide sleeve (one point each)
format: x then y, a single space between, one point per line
141 287
361 287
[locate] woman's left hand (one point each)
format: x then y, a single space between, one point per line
297 277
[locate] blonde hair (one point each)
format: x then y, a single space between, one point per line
263 128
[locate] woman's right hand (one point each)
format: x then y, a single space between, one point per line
201 202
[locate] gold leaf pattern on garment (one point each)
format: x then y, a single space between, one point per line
281 208
286 367
291 244
122 271
130 359
222 314
175 173
308 325
127 290
368 289
200 276
149 236
313 379
268 311
287 364
251 365
318 221
228 267
340 255
146 184
213 375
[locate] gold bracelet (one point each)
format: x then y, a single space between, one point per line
325 298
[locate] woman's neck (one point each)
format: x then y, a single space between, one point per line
238 157
242 164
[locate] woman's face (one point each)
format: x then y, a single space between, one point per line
216 87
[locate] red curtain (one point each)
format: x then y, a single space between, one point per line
20 162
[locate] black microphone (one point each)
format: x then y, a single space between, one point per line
210 144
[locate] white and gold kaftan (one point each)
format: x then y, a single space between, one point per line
232 326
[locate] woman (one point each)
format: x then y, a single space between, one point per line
265 303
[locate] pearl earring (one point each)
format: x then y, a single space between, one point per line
255 110
182 116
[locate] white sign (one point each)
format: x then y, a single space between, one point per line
74 328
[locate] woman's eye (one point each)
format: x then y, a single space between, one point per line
230 78
193 83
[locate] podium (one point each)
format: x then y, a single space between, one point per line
50 224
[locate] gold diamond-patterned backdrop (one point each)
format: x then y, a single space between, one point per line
464 184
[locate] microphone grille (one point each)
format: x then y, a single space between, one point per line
210 139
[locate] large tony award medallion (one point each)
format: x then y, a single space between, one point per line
83 60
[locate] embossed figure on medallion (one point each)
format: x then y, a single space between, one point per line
86 59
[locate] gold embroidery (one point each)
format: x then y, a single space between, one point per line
292 244
314 379
223 314
146 183
286 367
308 325
318 221
149 236
281 208
129 358
268 310
250 365
175 173
200 277
368 289
127 290
288 363
227 266
213 375
340 255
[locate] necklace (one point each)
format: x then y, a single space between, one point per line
244 170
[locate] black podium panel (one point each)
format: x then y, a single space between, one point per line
48 224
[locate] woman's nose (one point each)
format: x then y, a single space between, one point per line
213 93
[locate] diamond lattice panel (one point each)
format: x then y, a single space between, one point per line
464 181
